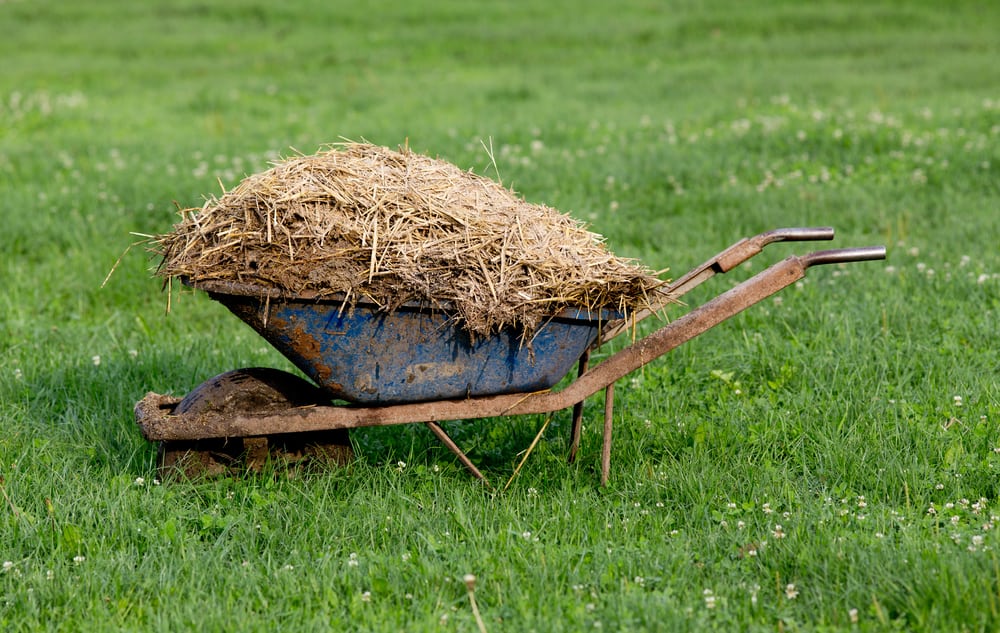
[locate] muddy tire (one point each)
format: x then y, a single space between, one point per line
249 391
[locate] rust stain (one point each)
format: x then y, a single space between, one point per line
309 348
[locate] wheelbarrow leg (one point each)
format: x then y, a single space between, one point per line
609 405
577 428
453 447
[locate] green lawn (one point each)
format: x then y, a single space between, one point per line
828 460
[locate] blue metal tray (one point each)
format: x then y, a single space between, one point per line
368 356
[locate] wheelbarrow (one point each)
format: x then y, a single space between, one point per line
415 365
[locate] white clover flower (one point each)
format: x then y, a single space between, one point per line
79 558
352 559
791 592
852 615
366 596
96 359
139 481
778 532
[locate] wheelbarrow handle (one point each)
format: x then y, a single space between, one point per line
715 311
797 234
844 256
723 262
743 250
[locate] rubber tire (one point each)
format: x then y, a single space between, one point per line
252 390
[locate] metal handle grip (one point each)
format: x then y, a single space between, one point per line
797 234
844 256
745 249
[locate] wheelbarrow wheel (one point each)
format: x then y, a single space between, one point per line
248 391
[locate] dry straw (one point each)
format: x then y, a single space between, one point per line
366 222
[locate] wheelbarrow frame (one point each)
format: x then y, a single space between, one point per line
154 413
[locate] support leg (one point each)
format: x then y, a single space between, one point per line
453 447
609 404
576 429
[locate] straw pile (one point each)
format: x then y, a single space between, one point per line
363 221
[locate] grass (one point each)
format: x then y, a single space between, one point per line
858 410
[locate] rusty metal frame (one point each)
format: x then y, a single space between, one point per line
153 412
